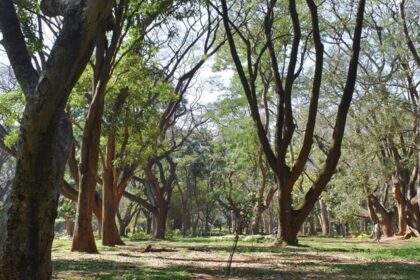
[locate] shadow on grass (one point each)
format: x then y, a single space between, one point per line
102 269
88 265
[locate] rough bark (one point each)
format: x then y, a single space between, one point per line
161 222
31 210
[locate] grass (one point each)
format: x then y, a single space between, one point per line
256 258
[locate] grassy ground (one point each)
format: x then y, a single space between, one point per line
205 258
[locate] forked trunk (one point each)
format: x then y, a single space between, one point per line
378 214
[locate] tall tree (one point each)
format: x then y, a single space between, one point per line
237 30
29 227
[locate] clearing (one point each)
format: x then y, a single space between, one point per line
255 258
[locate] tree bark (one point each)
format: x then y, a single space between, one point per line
378 214
110 233
83 238
31 210
69 227
401 207
161 222
287 231
323 218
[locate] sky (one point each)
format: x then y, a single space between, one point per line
208 84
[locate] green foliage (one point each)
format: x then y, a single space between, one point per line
11 108
30 24
140 236
66 208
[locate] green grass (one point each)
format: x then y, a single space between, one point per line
190 258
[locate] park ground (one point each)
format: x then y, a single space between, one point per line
255 258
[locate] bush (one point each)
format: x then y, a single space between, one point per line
258 238
140 236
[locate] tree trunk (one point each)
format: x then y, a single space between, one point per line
69 227
312 225
186 218
161 222
149 223
287 232
206 231
378 214
323 218
110 233
83 241
233 222
255 225
123 228
110 204
401 207
29 230
32 205
83 238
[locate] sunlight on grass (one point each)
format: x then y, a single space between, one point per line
191 258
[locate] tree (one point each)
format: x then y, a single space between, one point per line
290 220
43 140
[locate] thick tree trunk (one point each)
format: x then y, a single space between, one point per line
386 225
378 214
287 232
83 238
29 230
161 222
32 205
401 207
68 192
110 204
110 233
